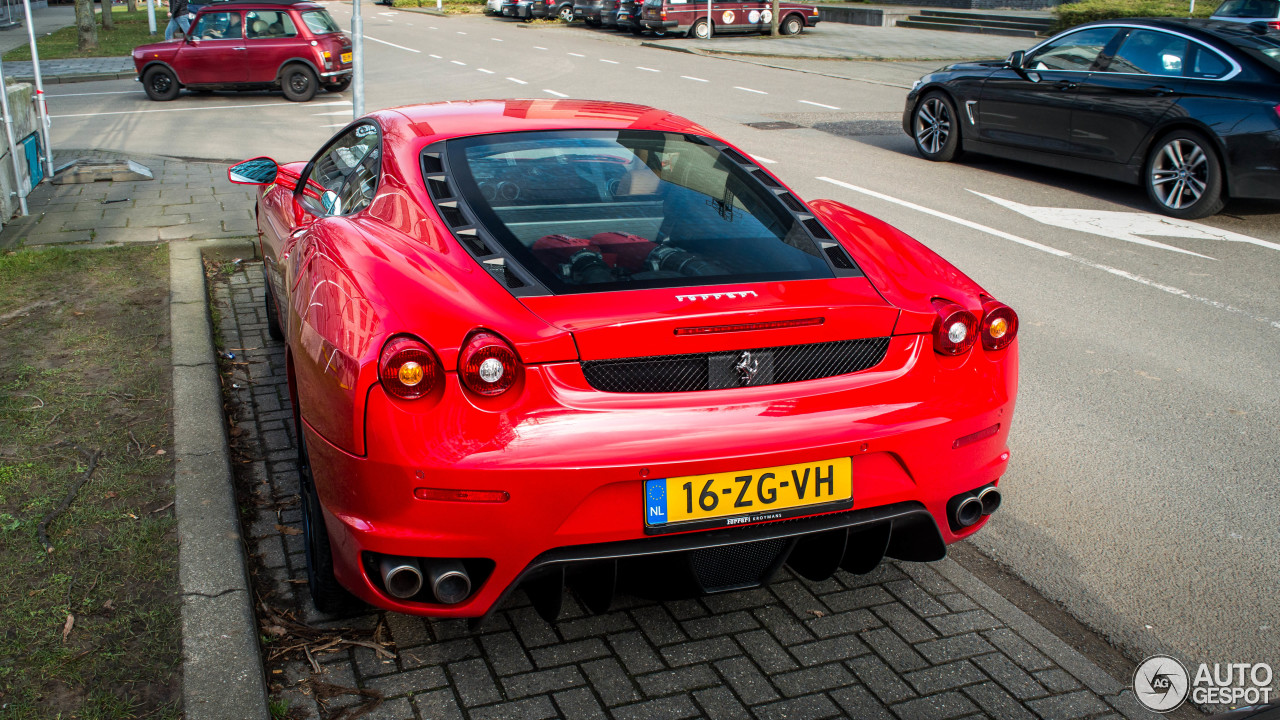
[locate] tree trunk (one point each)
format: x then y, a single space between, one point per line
108 21
133 6
86 30
773 21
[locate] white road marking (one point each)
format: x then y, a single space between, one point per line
461 33
646 69
192 109
113 92
553 92
695 79
829 107
1056 252
436 57
611 62
577 54
536 47
431 27
517 80
458 62
496 39
336 125
764 160
758 92
486 72
384 42
1128 226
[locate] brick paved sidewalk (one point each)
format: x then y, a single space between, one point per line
927 641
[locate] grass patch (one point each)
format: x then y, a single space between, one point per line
130 31
1071 14
84 365
450 7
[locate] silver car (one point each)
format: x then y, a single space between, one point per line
1250 11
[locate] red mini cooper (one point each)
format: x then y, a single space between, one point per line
293 45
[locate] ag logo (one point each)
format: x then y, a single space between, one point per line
1161 683
753 17
727 17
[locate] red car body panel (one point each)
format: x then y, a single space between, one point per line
573 459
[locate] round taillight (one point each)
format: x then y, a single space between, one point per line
408 368
955 330
999 325
488 365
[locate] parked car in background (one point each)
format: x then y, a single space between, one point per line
291 45
609 13
1185 108
539 342
508 8
690 18
492 7
587 11
1250 11
629 16
562 9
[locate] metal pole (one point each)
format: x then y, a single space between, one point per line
151 16
710 31
357 61
13 148
42 108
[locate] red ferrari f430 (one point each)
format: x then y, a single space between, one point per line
533 343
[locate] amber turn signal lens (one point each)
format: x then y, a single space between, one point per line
410 373
998 328
408 368
999 324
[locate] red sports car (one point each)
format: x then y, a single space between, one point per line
539 342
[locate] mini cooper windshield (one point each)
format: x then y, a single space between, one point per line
589 211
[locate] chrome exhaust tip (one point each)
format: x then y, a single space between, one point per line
449 581
968 512
401 576
990 499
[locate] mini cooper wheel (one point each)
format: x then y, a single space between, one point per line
701 29
339 86
160 83
792 25
935 128
1183 176
326 592
298 82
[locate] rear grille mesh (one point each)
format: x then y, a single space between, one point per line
713 371
734 566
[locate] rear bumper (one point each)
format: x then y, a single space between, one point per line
574 461
336 74
662 25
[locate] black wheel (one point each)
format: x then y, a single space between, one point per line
1183 176
299 83
326 592
700 29
935 128
792 25
273 315
338 86
566 13
160 83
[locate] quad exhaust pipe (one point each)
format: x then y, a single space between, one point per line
404 577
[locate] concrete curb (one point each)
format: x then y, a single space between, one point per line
222 662
423 11
77 78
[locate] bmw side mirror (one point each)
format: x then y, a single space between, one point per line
1016 58
258 171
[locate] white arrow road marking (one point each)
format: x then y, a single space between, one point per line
1128 226
384 42
1055 252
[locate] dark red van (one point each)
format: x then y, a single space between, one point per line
293 45
690 17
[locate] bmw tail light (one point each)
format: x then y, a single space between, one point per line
488 365
408 368
955 330
999 324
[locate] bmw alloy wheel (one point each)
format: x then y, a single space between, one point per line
933 125
1179 173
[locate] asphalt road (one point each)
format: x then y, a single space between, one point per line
1142 494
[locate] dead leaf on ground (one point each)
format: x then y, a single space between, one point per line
817 613
286 530
66 627
109 605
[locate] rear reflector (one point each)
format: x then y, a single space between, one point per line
773 325
975 437
480 496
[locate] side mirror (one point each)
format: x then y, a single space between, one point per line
258 171
1016 59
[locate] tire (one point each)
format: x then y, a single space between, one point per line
339 86
160 83
935 127
273 315
700 29
793 25
1183 176
298 83
565 13
326 592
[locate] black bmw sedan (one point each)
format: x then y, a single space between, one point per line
1189 109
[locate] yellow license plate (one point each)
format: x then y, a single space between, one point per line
346 57
737 497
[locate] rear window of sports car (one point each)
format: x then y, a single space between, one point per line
589 211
